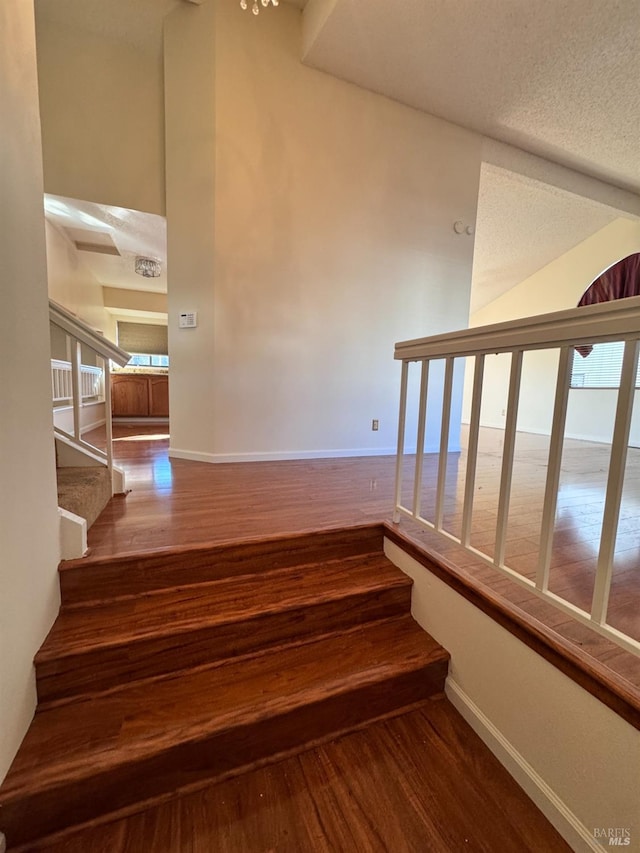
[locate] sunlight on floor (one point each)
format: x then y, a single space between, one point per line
156 437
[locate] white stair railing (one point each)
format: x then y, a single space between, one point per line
563 330
74 382
91 380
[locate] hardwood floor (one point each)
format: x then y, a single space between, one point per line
176 502
163 705
415 783
259 651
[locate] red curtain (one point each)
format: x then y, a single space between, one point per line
618 282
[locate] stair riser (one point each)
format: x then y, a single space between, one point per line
102 669
100 580
175 767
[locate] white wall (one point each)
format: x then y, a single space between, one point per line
577 759
332 239
28 503
91 415
72 284
556 286
102 114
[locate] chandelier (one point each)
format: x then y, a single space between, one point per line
148 267
255 6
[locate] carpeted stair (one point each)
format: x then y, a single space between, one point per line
85 491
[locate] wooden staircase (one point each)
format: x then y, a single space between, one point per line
169 670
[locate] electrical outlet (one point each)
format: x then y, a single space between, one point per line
374 424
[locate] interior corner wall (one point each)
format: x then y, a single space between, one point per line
189 67
576 758
332 240
101 104
28 502
556 286
72 284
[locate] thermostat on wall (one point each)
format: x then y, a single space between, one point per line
189 320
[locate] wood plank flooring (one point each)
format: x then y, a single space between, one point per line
416 783
422 781
93 647
176 502
159 690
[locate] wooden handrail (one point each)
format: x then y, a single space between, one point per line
610 321
82 332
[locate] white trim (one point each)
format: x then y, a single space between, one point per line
83 332
535 431
59 413
94 424
279 455
490 663
72 534
575 833
86 427
118 481
71 454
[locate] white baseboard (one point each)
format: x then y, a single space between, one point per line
575 833
94 424
288 455
278 455
597 439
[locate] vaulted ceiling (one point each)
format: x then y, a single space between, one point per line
558 78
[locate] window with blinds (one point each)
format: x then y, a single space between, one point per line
143 338
601 368
147 343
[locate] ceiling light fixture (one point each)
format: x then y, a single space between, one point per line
148 267
255 6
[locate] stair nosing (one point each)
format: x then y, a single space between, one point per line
263 651
207 621
162 590
359 678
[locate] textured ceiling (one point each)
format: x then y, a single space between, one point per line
522 225
133 233
559 78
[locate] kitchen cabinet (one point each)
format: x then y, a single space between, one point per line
138 395
158 396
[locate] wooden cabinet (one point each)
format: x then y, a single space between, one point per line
158 396
137 395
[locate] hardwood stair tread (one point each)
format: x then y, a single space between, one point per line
95 579
171 612
86 738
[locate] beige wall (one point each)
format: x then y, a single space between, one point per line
29 548
577 759
189 63
102 116
556 286
73 285
331 238
135 301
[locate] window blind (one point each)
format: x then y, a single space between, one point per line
143 338
601 368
